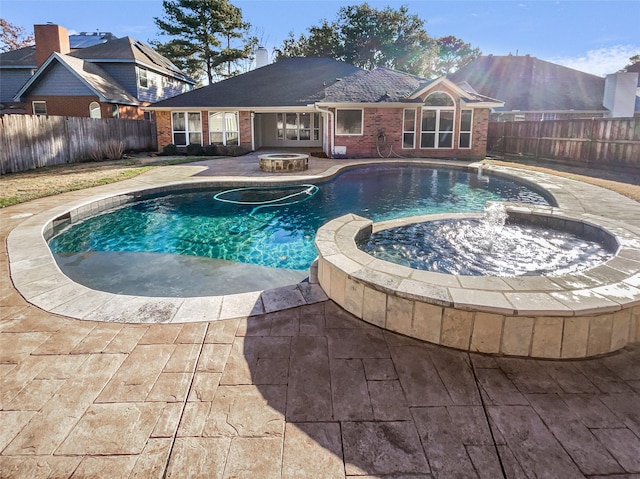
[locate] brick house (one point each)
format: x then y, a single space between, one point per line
102 77
326 104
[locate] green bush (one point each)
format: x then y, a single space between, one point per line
169 150
232 150
195 149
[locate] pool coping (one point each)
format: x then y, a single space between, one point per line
39 280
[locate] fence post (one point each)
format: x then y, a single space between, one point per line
591 136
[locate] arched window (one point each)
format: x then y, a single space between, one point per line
438 120
94 110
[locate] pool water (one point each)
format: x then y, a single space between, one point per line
281 236
477 247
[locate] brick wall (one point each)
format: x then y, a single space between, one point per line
79 106
388 121
165 134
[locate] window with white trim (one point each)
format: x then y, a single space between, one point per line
143 80
466 122
224 128
409 128
39 107
349 122
298 126
186 128
438 119
94 110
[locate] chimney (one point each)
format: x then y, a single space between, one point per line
262 57
620 94
50 38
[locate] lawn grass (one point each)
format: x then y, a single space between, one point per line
29 185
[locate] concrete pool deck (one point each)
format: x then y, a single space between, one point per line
303 391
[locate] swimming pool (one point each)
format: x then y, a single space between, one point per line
198 227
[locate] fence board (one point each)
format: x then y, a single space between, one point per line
599 141
28 142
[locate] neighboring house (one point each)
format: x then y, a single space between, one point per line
534 89
102 77
330 105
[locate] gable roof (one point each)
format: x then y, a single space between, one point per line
95 78
127 49
288 82
528 84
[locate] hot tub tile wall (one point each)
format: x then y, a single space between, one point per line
572 316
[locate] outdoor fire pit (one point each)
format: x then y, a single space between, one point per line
283 162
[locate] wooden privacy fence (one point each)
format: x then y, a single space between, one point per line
593 142
28 142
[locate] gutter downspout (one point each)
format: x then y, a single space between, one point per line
332 139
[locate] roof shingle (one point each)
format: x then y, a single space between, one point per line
529 84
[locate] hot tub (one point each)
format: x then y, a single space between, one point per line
573 315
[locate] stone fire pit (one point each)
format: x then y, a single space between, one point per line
284 162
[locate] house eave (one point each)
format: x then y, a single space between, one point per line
481 104
581 112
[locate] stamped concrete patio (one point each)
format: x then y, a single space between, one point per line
305 392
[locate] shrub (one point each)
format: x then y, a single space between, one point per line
210 150
232 150
195 149
169 150
114 150
96 153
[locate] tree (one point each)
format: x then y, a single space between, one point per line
453 54
207 34
633 63
323 41
13 37
368 38
181 54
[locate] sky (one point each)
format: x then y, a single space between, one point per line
595 36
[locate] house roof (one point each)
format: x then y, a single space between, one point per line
288 82
21 58
529 84
95 78
372 86
85 39
128 49
298 82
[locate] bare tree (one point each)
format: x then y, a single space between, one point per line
13 37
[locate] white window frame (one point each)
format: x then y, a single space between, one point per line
187 132
224 126
469 131
40 103
338 133
314 123
438 110
93 107
409 132
143 74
